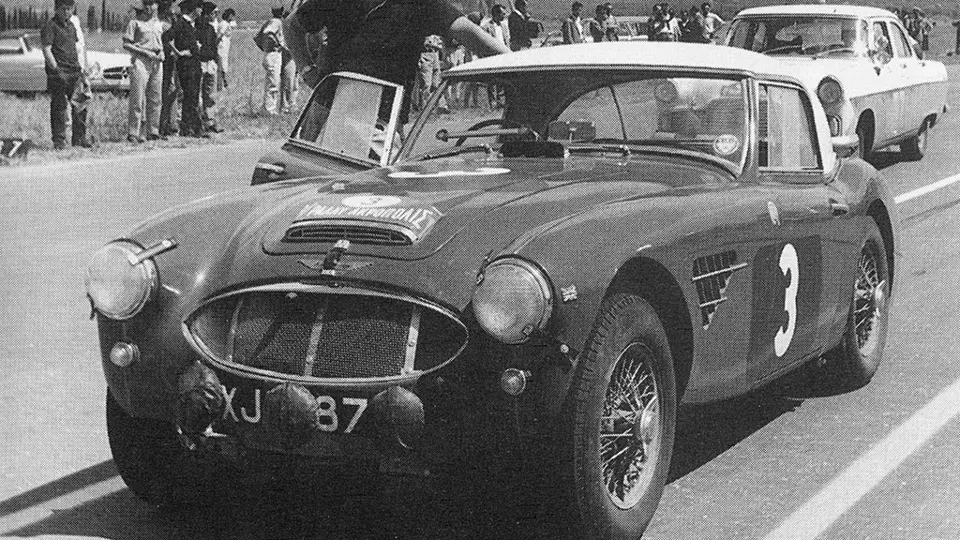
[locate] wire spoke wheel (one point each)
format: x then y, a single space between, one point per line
868 299
630 426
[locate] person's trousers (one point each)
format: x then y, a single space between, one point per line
188 73
288 83
273 67
62 89
146 84
171 87
208 85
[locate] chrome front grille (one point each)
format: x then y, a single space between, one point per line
115 73
375 235
328 334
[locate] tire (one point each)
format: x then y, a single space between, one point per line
150 458
914 148
627 340
865 134
854 361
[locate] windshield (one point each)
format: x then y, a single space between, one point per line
586 112
799 35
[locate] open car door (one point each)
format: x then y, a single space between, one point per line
350 124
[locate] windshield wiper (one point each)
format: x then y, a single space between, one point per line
457 150
596 147
831 51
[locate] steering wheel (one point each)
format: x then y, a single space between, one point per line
502 122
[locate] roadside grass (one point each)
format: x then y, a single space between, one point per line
237 109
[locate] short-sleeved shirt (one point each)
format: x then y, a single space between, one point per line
377 38
61 37
145 34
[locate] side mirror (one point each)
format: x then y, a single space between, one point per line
845 145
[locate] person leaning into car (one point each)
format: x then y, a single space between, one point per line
378 38
143 40
59 40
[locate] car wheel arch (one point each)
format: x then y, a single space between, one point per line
653 282
879 213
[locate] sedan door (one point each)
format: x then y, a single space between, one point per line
888 86
911 80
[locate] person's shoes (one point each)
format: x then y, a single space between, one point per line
135 139
156 137
84 144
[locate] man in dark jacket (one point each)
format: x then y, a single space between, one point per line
59 40
207 36
185 45
518 22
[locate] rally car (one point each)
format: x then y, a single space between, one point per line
606 233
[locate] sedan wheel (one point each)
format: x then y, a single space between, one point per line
623 423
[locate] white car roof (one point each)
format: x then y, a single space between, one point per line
817 9
631 55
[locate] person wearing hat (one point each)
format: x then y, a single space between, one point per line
276 90
58 38
144 43
185 45
207 36
379 39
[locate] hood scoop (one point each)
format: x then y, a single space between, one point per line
331 231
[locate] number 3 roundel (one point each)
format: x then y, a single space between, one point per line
790 266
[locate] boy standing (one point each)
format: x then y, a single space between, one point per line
143 40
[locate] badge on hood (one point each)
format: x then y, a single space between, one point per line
368 207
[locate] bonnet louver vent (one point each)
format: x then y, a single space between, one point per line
356 234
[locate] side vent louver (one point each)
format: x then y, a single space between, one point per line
711 274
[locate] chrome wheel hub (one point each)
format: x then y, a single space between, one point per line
630 427
869 300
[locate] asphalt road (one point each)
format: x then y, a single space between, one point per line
878 463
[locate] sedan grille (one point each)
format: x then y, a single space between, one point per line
308 334
355 233
115 73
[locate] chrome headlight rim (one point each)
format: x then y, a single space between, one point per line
830 91
149 279
544 286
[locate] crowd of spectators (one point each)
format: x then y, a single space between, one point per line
696 25
917 23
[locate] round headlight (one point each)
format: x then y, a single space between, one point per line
512 300
117 283
829 92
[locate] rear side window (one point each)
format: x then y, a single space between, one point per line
786 130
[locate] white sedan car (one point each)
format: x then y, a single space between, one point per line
865 68
21 65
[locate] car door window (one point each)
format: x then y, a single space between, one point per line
882 48
901 46
787 139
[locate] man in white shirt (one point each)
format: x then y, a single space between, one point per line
224 27
710 22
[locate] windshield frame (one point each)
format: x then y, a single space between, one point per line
605 77
861 39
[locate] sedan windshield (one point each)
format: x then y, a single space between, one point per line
799 35
585 112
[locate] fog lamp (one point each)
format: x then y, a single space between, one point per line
514 381
124 354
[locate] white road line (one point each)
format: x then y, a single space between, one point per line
919 192
869 470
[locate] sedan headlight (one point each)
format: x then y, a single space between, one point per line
829 92
512 300
118 282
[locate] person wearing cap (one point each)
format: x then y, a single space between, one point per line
207 36
143 40
224 27
277 89
379 39
572 29
186 46
58 38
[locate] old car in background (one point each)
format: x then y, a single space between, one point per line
863 65
642 226
21 65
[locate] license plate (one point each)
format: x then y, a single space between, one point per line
336 412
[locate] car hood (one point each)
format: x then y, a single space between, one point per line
426 207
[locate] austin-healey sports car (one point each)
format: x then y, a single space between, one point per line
599 235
